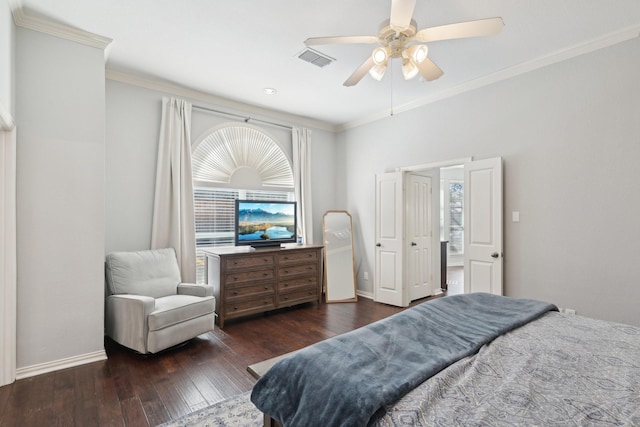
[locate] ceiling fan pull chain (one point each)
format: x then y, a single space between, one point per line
391 86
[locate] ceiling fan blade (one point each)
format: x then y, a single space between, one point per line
429 70
401 14
480 27
340 39
360 72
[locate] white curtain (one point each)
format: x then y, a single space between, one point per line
302 181
173 218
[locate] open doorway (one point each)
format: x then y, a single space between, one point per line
474 228
452 229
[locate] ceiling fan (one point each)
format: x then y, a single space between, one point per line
399 38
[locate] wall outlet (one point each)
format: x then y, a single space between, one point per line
365 275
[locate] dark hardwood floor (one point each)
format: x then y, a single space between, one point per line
135 390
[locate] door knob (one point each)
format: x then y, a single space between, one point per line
378 244
495 255
414 244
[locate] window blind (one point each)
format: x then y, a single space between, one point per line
215 218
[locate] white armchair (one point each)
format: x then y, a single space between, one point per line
147 308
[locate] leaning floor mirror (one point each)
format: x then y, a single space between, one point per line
339 265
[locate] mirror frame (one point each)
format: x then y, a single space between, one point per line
325 252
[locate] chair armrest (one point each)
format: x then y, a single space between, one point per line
195 290
127 319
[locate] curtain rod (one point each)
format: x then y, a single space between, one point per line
244 118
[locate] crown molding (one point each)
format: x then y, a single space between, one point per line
62 31
282 118
553 58
97 41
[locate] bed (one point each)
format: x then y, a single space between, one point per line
474 359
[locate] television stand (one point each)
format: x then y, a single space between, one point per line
248 281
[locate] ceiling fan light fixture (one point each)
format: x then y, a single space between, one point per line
377 71
409 69
380 55
399 37
418 52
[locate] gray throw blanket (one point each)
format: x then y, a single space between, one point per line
348 379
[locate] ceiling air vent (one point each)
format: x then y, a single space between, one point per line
315 57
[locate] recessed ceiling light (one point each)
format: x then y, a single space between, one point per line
270 91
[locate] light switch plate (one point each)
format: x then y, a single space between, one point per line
515 216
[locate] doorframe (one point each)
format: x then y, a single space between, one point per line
8 279
436 165
426 167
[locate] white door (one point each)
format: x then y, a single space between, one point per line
483 226
388 285
419 232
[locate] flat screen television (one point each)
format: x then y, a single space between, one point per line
264 223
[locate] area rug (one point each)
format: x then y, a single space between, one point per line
237 411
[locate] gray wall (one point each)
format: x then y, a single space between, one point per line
60 117
569 134
133 125
133 128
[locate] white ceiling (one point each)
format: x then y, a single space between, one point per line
236 48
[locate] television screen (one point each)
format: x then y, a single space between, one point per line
265 223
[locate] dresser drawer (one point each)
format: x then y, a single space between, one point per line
297 257
251 306
297 297
297 270
286 284
239 263
249 276
248 290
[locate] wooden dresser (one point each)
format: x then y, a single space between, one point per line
249 281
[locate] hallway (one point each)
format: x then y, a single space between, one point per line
455 280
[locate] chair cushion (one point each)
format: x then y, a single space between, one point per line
152 272
175 309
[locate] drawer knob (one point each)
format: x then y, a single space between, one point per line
286 298
266 288
286 272
266 302
235 292
265 274
235 308
286 285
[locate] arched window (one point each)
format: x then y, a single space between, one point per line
233 162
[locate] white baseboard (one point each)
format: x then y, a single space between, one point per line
56 365
369 295
365 294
